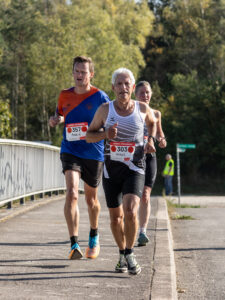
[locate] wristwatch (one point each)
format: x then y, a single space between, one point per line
151 137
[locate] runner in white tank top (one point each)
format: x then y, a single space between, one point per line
123 120
128 146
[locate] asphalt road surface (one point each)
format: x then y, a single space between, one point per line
199 249
34 249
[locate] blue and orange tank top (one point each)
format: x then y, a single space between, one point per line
78 111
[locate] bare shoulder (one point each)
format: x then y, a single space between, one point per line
143 107
102 111
106 104
105 107
157 113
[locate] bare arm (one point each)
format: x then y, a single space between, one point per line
150 122
95 132
160 136
151 127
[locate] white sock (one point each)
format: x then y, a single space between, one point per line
142 230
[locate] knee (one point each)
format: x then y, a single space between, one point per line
130 215
146 195
72 195
145 199
116 221
93 203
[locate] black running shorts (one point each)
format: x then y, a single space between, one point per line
121 181
90 169
151 170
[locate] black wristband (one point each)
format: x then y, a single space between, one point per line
152 137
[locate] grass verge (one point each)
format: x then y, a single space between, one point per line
174 215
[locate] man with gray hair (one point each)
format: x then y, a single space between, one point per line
123 178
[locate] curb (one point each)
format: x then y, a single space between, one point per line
172 259
164 277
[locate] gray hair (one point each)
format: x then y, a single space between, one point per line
122 71
168 156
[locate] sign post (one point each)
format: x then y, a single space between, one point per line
180 149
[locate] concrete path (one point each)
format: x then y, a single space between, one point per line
34 248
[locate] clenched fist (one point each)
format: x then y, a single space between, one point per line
55 120
111 132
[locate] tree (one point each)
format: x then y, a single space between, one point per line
5 117
40 40
18 31
185 57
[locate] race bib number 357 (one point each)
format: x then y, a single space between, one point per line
76 131
122 151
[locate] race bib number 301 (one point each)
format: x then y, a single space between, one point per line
122 151
76 131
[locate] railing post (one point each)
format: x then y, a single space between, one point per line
9 205
22 201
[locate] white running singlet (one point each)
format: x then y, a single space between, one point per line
128 146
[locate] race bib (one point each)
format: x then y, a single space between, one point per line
76 131
122 151
145 139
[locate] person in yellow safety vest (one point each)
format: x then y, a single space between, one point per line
168 173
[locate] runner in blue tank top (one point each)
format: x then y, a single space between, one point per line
76 108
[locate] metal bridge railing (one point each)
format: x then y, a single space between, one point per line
28 168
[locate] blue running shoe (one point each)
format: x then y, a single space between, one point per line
75 252
93 248
142 239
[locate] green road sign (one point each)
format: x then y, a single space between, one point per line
186 146
181 149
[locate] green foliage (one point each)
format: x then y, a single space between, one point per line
178 46
5 117
38 40
185 56
199 114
